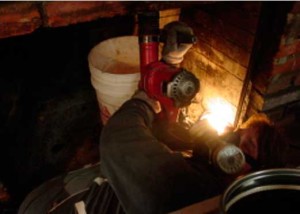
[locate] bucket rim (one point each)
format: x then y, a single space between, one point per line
229 198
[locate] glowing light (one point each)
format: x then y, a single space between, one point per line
219 114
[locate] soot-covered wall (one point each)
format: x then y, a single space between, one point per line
49 113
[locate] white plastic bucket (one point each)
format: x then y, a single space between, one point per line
115 72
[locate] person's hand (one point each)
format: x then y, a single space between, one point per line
204 138
202 130
174 50
139 94
226 157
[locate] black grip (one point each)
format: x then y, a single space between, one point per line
181 38
148 23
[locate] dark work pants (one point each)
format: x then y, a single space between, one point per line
147 176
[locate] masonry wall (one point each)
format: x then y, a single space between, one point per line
226 32
20 18
276 82
221 59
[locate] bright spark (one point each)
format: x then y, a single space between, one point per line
219 114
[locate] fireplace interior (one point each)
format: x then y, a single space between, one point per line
246 56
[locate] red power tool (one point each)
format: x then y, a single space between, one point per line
173 87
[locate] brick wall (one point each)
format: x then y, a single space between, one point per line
276 87
249 54
226 33
20 18
221 59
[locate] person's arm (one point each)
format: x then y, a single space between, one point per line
146 176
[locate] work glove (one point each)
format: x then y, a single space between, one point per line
154 104
203 136
173 49
209 146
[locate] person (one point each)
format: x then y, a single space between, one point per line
138 173
262 142
147 176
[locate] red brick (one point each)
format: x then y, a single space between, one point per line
240 37
282 81
218 42
281 99
291 65
286 50
18 18
66 13
231 12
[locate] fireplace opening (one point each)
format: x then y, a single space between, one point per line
246 57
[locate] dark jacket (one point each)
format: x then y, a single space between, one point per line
147 177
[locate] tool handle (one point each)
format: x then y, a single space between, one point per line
181 38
